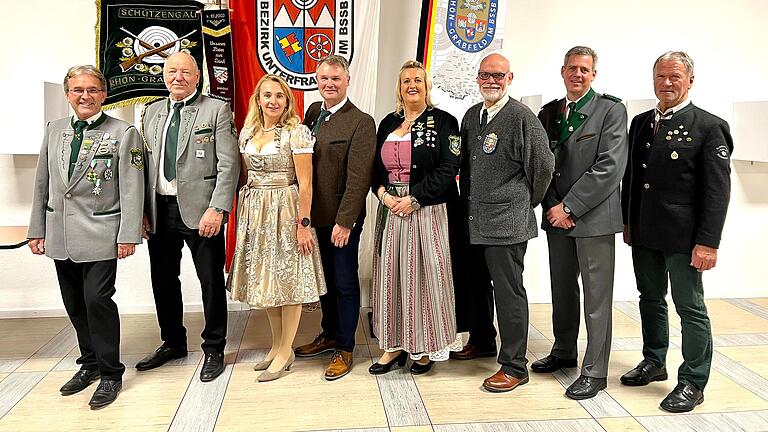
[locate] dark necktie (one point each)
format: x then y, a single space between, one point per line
484 119
571 110
77 140
171 142
320 120
661 116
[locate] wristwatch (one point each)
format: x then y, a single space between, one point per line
415 203
305 222
566 209
220 211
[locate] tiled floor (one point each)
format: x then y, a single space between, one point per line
38 355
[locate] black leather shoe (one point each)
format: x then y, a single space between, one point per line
160 357
105 393
643 374
82 379
213 366
418 368
551 363
682 399
380 369
585 387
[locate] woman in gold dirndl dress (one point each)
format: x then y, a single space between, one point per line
276 265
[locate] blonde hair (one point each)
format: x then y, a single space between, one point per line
412 64
255 118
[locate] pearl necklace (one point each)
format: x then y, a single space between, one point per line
268 129
410 121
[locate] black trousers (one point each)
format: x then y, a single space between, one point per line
341 304
87 290
505 265
208 255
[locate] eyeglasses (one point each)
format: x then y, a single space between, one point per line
79 91
498 76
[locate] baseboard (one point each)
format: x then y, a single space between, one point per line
124 310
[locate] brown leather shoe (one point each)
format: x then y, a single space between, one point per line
317 346
341 364
502 382
470 352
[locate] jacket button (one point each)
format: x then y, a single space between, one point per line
474 157
469 197
414 166
557 174
647 145
647 186
645 166
479 138
69 195
471 218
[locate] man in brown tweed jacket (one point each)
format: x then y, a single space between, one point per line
343 162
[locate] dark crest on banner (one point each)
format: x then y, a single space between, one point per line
293 35
135 38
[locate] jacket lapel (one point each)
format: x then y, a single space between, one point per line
579 117
82 165
188 115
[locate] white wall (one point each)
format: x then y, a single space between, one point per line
726 41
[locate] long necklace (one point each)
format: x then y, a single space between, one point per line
410 121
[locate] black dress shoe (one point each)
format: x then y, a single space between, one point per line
418 368
551 363
682 399
105 393
585 387
380 369
82 379
213 366
643 374
160 357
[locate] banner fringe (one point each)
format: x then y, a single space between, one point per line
131 101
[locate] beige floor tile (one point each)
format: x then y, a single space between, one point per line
411 429
140 333
762 301
621 424
752 357
721 395
38 365
147 402
453 393
729 319
2 376
23 336
257 333
301 400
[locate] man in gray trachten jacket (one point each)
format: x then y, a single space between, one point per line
86 214
588 135
506 168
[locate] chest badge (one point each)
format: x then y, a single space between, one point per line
674 155
489 144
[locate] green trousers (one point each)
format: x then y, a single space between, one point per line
652 269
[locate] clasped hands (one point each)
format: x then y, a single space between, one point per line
401 206
559 218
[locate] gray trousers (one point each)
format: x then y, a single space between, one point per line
593 258
505 265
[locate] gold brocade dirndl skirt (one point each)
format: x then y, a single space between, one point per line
267 269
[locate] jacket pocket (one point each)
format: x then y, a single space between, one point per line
49 209
585 137
107 213
203 131
210 177
495 220
337 142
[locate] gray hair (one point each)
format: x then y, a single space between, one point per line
581 51
84 70
680 56
335 60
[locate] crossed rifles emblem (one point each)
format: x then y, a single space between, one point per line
160 50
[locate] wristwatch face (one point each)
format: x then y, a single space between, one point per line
305 222
566 209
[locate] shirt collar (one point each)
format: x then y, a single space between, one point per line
89 120
498 105
336 107
669 111
568 101
187 100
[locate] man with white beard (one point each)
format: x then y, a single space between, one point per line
505 171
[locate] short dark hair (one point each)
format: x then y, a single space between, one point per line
581 50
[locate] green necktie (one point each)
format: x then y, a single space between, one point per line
171 142
320 120
484 119
75 145
571 110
